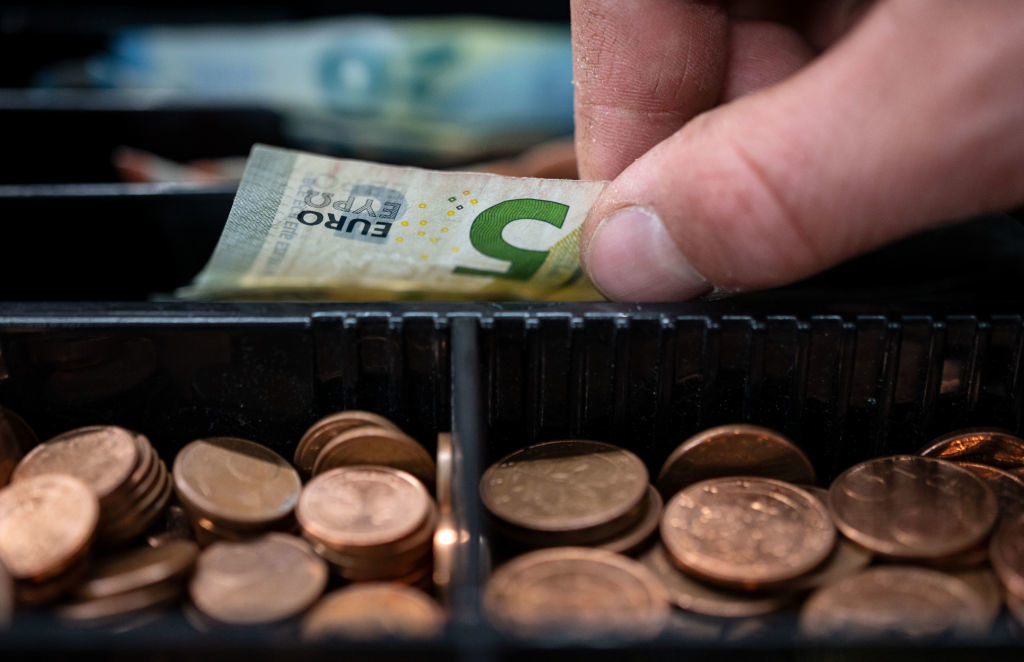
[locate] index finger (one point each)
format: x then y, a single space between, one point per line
642 69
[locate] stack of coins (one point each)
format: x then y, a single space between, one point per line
96 485
132 583
572 492
120 466
16 439
234 489
370 523
350 438
47 525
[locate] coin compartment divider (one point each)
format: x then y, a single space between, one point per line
844 385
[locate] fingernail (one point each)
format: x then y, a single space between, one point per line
631 257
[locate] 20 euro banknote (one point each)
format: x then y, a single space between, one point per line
304 226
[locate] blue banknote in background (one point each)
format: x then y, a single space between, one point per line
450 88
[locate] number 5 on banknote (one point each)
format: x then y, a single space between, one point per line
485 235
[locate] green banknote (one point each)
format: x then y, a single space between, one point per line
304 226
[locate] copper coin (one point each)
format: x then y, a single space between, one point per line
142 480
363 506
387 447
103 456
965 560
734 450
150 483
993 447
412 577
95 611
6 597
575 590
747 533
702 598
235 481
641 531
1009 489
264 580
561 486
894 601
138 568
142 517
374 611
329 427
521 538
1007 554
906 506
46 523
408 548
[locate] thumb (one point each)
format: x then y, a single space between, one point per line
913 119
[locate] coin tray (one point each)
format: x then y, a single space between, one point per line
844 386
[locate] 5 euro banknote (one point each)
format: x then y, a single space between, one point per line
305 226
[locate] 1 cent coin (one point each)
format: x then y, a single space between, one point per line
894 601
747 533
561 486
104 456
235 482
388 447
579 589
734 450
907 506
327 428
350 508
264 580
374 610
46 523
995 448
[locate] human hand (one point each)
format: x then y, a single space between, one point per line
756 142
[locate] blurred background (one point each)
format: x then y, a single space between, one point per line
126 127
